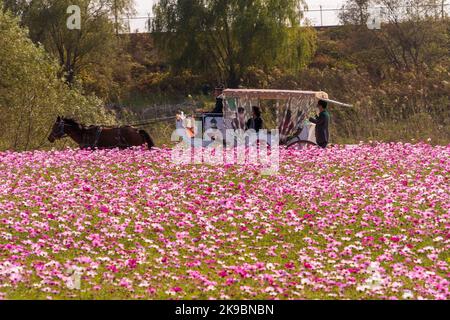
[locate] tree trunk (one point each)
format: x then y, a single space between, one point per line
233 80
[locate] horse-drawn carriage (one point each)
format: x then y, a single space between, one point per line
285 110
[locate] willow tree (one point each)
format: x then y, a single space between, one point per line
229 36
93 53
32 94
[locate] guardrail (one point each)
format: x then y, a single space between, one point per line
315 17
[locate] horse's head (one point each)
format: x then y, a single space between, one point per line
57 130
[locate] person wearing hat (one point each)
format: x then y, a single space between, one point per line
218 92
322 121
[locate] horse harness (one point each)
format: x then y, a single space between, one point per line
87 141
86 138
61 132
87 135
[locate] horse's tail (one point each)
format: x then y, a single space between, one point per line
147 139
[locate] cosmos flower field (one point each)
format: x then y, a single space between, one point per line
370 222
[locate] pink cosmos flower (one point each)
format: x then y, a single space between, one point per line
289 265
352 224
307 265
223 273
395 239
132 263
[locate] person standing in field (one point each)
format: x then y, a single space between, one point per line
322 121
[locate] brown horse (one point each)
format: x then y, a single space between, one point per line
99 137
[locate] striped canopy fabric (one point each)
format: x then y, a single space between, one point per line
293 107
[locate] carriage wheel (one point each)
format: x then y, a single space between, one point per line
301 144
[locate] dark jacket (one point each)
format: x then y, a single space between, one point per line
255 124
322 121
219 105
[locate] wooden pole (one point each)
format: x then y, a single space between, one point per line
116 24
442 9
321 16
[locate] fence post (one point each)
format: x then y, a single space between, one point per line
442 9
149 23
321 16
116 18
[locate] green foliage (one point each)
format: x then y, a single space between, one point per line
31 94
402 107
224 38
94 54
298 50
412 36
355 12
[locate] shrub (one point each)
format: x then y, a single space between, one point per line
32 95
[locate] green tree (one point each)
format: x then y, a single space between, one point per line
17 7
412 35
355 12
94 53
230 36
32 94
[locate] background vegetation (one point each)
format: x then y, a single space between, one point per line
32 94
396 77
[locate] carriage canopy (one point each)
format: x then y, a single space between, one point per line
273 94
291 107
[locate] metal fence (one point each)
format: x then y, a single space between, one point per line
316 17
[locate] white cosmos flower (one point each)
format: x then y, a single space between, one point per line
407 294
73 281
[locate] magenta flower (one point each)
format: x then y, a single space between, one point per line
371 221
